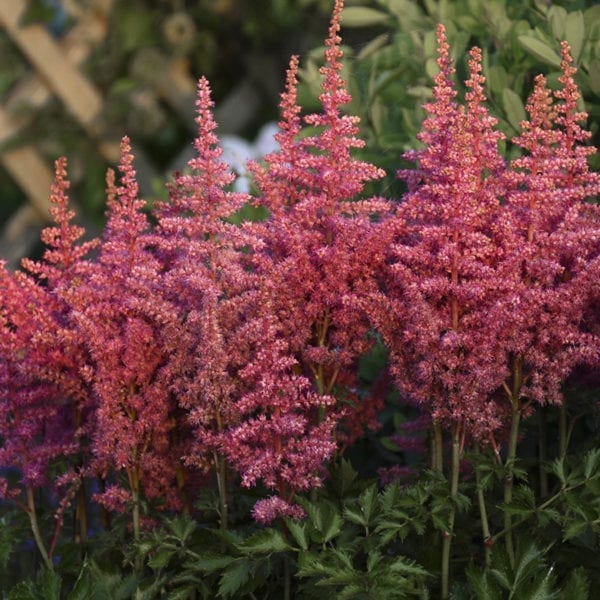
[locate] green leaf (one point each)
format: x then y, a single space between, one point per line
577 586
482 586
558 468
405 566
373 46
557 17
161 558
513 106
83 588
182 528
540 50
591 463
575 33
209 563
325 521
265 541
49 584
361 16
574 529
298 531
234 577
368 503
24 590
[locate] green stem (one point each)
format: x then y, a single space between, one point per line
36 530
287 579
562 430
437 459
485 526
541 507
222 485
81 515
447 543
543 453
515 393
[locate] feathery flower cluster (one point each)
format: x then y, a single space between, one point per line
196 345
494 266
321 246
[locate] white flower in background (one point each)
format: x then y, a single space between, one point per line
237 152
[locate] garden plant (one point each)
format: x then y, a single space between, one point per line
312 387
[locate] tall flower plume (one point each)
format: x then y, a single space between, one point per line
441 280
319 241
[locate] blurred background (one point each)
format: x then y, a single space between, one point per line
76 75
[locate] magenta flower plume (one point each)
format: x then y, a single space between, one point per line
442 280
63 256
320 246
47 407
552 244
277 439
204 276
35 423
130 336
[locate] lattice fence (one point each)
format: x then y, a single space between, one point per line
55 72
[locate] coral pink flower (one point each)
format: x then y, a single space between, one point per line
320 249
442 280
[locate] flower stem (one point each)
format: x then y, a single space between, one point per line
562 430
287 579
485 526
543 451
437 462
221 472
447 542
36 530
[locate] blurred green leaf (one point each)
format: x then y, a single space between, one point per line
540 50
362 16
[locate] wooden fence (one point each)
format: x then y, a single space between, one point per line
55 72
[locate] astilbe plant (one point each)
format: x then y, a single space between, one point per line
550 243
487 259
319 242
130 334
440 282
45 401
204 276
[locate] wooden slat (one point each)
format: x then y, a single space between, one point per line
51 62
32 174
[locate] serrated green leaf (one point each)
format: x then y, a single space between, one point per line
577 586
298 531
405 566
482 586
161 558
209 563
24 590
265 541
355 516
513 106
362 16
501 577
234 577
49 584
558 468
83 588
540 50
573 529
182 528
368 503
591 462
